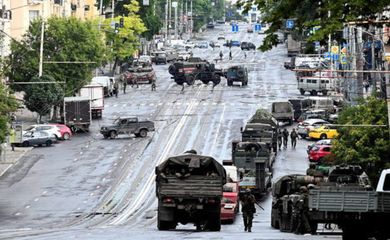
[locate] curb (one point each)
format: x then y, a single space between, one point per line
8 163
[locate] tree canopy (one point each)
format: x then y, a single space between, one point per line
366 146
8 104
66 41
328 15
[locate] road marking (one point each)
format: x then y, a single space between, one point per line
36 199
218 129
17 214
28 206
44 192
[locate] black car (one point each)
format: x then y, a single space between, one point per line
247 46
210 25
236 74
160 58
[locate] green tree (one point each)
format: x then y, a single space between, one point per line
366 146
124 41
8 104
308 13
41 98
66 40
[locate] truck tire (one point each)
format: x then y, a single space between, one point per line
214 221
354 232
113 134
105 136
240 73
172 70
190 80
323 136
313 93
229 82
25 144
302 91
216 79
324 92
143 133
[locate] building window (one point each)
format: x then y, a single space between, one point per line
33 14
58 2
86 8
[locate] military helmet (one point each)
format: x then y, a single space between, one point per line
303 189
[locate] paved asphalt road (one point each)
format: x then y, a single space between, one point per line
92 188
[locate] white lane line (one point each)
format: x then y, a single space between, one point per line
36 199
28 206
136 204
218 129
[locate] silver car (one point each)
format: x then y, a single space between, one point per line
37 138
309 124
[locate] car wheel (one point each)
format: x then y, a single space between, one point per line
105 136
48 143
302 91
314 92
113 134
323 136
25 144
66 136
143 133
190 80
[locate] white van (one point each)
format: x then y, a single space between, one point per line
106 82
315 84
322 103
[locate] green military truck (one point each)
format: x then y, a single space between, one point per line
189 190
344 197
254 162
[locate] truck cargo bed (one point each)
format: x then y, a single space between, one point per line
191 187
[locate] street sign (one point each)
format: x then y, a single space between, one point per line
257 27
335 49
234 28
327 55
290 24
174 4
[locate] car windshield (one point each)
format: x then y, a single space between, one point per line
30 128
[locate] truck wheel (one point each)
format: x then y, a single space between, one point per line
143 133
172 70
25 144
302 91
165 225
113 134
229 82
324 92
214 222
105 136
205 82
190 80
48 143
240 73
216 79
323 136
313 228
314 92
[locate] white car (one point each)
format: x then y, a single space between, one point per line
52 130
183 55
145 58
309 124
189 44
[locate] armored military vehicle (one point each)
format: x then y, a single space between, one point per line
254 162
189 190
188 72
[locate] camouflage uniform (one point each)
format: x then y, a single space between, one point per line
303 225
248 209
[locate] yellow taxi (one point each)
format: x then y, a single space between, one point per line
324 132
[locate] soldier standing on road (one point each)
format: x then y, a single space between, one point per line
245 55
154 85
248 209
285 138
116 88
293 136
220 55
303 225
280 136
124 85
12 138
230 55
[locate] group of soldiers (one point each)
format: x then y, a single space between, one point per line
283 138
133 83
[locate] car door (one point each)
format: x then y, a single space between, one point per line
132 125
122 126
34 140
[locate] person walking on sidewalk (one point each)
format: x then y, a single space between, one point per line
280 136
248 209
154 85
116 88
12 137
285 138
230 55
124 86
220 55
293 136
366 85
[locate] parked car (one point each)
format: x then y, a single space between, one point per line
221 37
160 57
145 59
236 74
305 126
183 55
65 131
324 132
189 44
203 44
52 130
37 138
319 142
248 46
229 202
310 114
214 44
210 25
318 153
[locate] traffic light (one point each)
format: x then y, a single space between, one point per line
121 22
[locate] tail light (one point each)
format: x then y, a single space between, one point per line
168 200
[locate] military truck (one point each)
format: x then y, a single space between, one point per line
283 111
254 161
188 72
189 190
127 125
261 127
236 74
344 197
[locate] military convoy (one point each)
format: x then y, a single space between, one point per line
343 197
189 190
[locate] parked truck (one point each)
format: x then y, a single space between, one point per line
283 111
344 197
254 162
96 95
77 113
293 46
189 190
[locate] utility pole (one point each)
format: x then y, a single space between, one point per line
192 20
170 19
175 20
186 16
360 62
42 38
166 21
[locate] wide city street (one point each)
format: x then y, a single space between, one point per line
96 188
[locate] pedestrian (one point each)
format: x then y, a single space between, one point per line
230 55
116 88
366 85
154 85
285 138
248 209
293 136
302 206
280 136
12 137
182 88
124 85
220 55
244 54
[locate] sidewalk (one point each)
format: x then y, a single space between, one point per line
8 157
